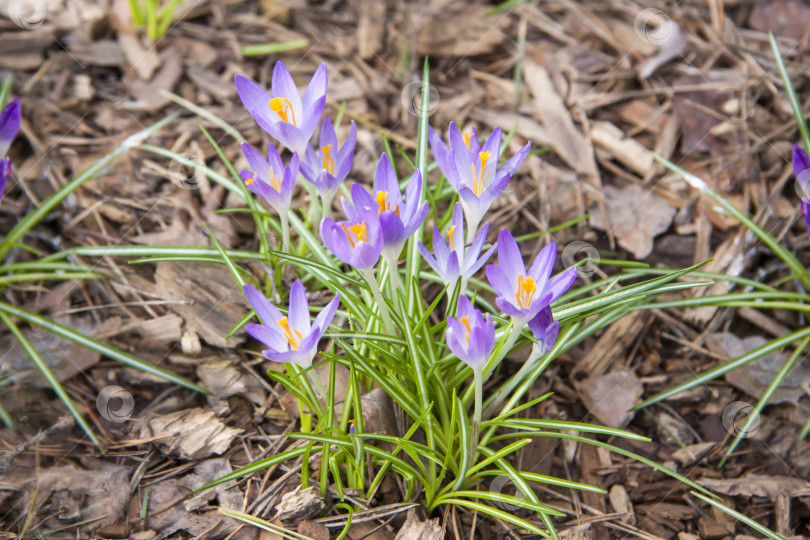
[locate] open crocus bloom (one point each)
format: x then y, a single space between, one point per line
357 242
284 115
521 294
398 218
545 330
328 166
270 178
9 125
293 338
454 260
470 336
473 170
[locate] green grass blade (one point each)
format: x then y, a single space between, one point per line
724 368
741 517
51 378
95 345
781 251
753 415
35 216
791 93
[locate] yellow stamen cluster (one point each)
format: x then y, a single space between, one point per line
282 107
382 201
525 292
250 180
479 180
294 340
328 162
360 231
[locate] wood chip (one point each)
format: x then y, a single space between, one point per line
189 434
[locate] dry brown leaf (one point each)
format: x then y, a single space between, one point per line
635 217
567 139
189 434
754 377
463 30
610 396
759 485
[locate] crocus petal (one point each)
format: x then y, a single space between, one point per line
283 86
456 337
543 264
267 312
461 156
5 173
299 308
416 220
346 154
392 228
335 240
9 125
257 102
324 318
509 257
507 307
442 154
515 161
312 116
316 89
271 338
256 162
328 136
365 255
500 282
804 205
429 258
385 179
560 283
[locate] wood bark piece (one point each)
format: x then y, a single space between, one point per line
624 149
189 434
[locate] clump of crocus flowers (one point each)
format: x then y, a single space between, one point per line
378 224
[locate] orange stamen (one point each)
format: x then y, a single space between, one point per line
360 232
288 333
480 181
385 206
525 292
467 139
466 322
450 236
281 106
250 180
328 162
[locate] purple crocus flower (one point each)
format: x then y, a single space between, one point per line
545 330
293 338
398 218
357 242
284 115
473 170
470 336
523 294
9 125
801 168
328 166
269 178
456 260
